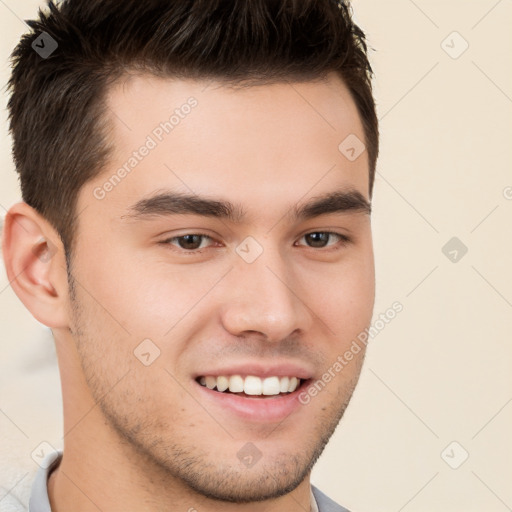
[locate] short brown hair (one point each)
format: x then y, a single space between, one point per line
57 103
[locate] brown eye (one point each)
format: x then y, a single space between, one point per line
320 239
189 242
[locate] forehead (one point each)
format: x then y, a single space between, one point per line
255 144
136 102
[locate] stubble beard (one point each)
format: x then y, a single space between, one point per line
170 459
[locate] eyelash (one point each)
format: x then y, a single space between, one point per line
344 239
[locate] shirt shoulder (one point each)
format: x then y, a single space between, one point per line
325 504
39 500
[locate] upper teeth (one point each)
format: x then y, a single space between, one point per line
251 385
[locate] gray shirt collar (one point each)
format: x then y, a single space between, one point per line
39 501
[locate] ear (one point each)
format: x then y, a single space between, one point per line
35 262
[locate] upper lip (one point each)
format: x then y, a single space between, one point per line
260 369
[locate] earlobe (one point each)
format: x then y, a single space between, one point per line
35 263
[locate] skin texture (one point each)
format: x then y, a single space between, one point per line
142 437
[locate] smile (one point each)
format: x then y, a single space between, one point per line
250 385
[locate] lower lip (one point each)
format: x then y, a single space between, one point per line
264 410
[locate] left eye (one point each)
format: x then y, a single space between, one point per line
319 238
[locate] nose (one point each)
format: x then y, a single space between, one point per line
265 297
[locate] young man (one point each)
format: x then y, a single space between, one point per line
197 178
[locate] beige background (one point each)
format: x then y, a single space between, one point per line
441 370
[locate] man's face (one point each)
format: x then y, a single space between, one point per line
266 294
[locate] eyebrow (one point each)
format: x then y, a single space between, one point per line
176 203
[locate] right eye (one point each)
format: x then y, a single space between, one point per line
189 243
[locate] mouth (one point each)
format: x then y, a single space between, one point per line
252 386
256 392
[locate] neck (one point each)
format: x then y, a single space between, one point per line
95 477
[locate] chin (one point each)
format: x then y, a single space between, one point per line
264 481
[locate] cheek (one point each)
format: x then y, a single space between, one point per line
343 297
142 298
